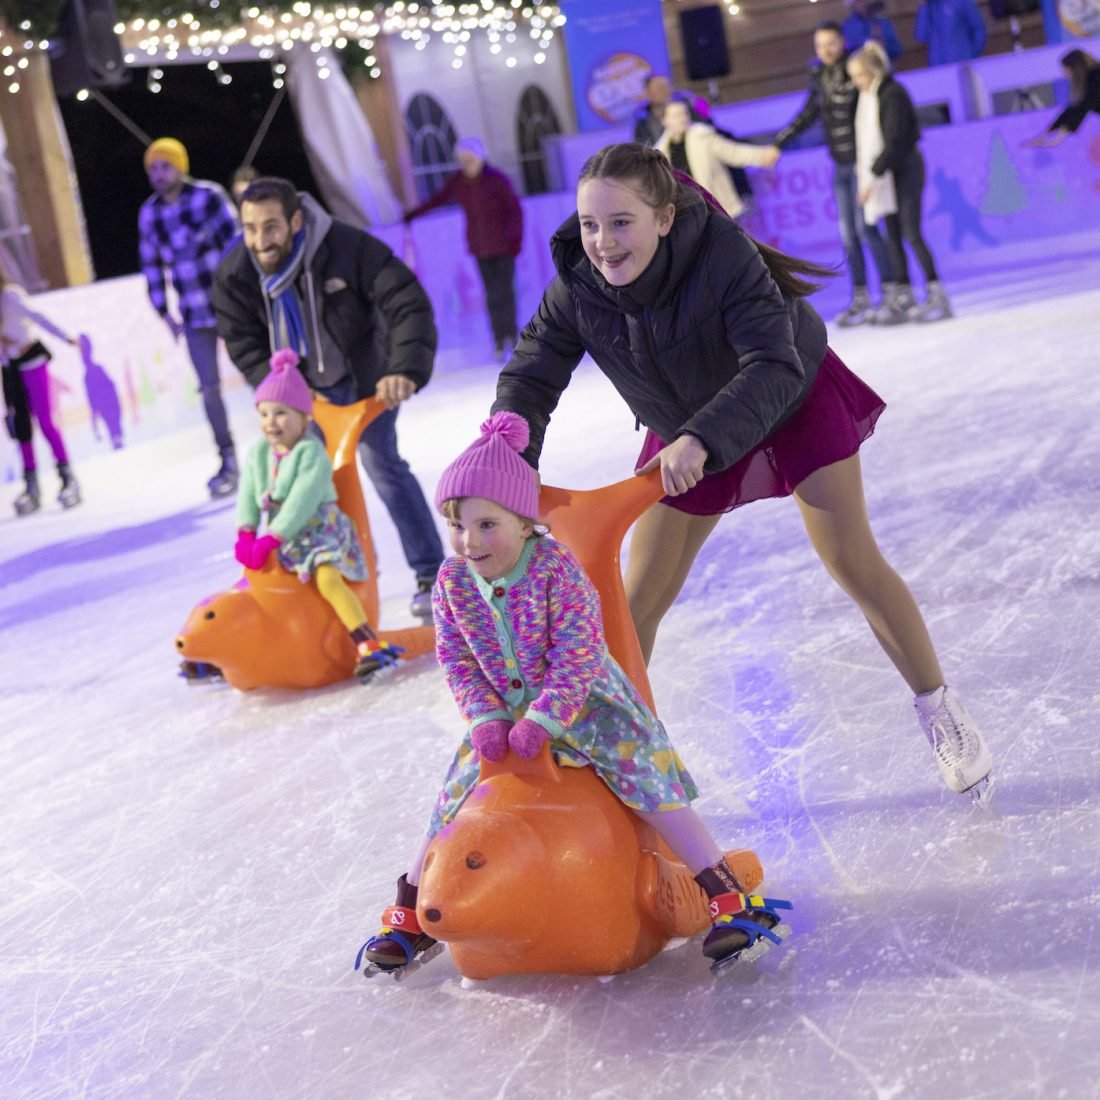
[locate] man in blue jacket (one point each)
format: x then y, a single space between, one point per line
953 30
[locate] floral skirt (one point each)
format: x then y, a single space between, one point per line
328 538
837 415
616 734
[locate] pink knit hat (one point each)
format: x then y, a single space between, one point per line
491 467
285 383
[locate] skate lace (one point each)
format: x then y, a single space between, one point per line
952 740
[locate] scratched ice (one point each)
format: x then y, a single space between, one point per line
187 872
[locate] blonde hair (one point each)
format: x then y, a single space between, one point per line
872 57
451 506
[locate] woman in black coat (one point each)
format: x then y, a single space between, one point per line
896 151
709 339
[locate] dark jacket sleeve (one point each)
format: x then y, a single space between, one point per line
898 121
242 323
811 111
770 378
542 364
409 320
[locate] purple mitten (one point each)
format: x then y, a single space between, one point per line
526 738
246 539
261 548
491 739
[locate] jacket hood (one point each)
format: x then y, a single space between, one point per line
661 279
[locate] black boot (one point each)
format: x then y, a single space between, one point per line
69 497
224 482
30 500
740 923
401 941
373 654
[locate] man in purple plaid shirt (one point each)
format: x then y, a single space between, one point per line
185 227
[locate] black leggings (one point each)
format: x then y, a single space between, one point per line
18 415
909 186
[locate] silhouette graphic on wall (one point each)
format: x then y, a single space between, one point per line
102 396
966 218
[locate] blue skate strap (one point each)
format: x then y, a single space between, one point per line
390 934
753 930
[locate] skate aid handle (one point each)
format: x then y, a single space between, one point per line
526 737
261 548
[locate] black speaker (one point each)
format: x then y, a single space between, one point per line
1005 9
86 52
703 31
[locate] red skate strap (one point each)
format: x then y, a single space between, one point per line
726 905
401 919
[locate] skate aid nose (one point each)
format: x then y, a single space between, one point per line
180 643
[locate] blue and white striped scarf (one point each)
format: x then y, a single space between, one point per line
286 306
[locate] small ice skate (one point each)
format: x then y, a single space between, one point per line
30 500
69 497
374 654
743 939
224 482
200 672
936 307
961 753
400 948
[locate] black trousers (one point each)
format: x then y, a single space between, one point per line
498 273
906 223
18 416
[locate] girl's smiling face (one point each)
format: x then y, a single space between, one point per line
488 536
619 230
282 426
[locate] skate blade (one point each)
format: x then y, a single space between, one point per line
981 793
749 955
401 973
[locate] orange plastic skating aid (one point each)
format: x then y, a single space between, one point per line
269 629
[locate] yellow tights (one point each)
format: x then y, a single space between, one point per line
334 589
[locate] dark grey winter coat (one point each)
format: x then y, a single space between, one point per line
900 127
833 99
703 343
365 312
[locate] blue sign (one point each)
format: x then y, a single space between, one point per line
612 46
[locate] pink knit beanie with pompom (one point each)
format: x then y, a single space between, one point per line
492 468
285 383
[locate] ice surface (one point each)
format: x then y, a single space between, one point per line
187 872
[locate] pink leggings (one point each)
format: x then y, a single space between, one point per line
36 381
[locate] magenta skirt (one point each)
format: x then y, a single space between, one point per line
837 415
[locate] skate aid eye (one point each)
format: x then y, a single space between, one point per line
208 615
475 861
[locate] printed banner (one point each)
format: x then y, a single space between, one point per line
612 45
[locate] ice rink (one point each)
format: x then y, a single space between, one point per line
187 872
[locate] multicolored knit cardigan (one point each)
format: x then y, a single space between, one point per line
556 650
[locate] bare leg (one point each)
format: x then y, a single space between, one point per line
687 836
662 549
835 514
417 866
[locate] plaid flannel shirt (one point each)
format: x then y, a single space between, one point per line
189 238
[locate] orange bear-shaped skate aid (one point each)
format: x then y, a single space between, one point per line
544 870
270 629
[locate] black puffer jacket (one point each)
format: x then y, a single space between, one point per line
703 343
833 99
366 313
900 129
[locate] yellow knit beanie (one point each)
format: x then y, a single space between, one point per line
170 151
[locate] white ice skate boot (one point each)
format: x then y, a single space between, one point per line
963 757
937 306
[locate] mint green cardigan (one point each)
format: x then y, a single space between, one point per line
303 484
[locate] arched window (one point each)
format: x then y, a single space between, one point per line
535 119
432 139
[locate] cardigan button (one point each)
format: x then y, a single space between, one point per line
517 684
498 591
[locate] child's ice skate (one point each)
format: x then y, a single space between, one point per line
963 757
69 497
744 928
374 654
200 672
30 500
401 947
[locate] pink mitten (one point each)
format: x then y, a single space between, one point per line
246 539
261 548
491 739
526 738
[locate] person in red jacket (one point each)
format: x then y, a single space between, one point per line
494 232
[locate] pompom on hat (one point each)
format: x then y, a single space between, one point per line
171 152
285 383
493 468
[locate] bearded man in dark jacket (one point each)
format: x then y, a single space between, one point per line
361 324
832 98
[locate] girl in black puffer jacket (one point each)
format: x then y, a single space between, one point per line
708 338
